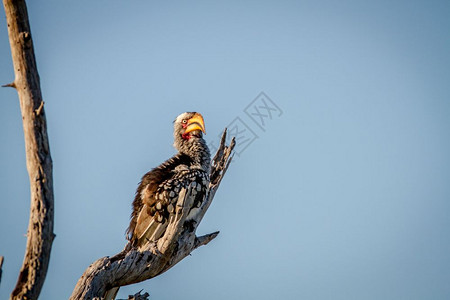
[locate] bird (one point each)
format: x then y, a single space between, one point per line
157 193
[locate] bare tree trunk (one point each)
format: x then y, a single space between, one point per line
102 279
39 163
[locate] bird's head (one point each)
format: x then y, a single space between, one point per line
188 127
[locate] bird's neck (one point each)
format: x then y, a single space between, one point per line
198 151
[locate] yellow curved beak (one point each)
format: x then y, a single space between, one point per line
195 123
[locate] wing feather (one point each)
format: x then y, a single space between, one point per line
158 194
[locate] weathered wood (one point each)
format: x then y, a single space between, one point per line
139 296
179 240
1 265
39 163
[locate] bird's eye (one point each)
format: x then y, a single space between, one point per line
184 121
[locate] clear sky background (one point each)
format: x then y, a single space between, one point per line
345 195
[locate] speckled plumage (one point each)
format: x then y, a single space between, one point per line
157 193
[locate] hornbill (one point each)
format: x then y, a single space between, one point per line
157 193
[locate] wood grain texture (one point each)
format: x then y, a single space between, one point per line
1 265
134 265
39 163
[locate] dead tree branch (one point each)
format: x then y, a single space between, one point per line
1 265
139 296
39 163
136 265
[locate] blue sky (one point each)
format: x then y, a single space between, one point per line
345 195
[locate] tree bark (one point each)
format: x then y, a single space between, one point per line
39 163
1 265
133 265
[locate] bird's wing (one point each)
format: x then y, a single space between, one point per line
152 218
159 205
157 195
148 228
148 206
146 194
